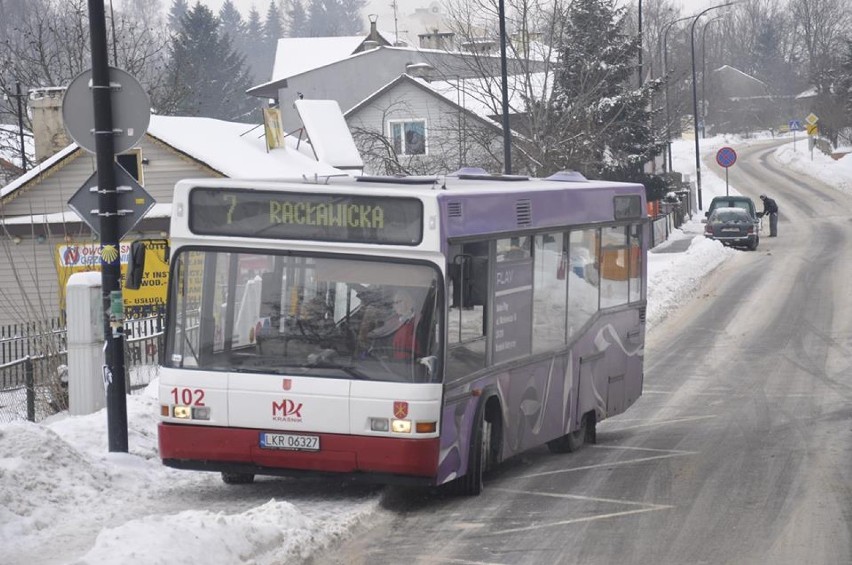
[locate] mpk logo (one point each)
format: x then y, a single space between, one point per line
287 411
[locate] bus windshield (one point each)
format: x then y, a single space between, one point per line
261 312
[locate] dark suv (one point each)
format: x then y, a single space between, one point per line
732 226
743 202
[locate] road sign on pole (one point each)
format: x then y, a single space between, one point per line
131 110
726 157
133 202
812 119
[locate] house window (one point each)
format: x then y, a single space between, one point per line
132 163
408 137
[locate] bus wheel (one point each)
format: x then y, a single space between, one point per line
471 483
237 478
573 441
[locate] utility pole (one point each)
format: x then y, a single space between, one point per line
507 133
114 370
20 97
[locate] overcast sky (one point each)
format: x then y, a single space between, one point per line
405 7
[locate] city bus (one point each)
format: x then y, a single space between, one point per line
414 330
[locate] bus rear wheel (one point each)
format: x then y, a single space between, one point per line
237 478
573 441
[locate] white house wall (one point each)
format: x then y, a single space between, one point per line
454 138
29 291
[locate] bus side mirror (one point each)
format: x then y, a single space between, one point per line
135 266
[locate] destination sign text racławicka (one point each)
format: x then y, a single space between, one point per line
298 215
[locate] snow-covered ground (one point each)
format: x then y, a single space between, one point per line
65 499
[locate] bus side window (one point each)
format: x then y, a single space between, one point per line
468 274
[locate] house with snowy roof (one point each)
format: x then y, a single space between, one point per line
44 241
409 108
438 126
741 102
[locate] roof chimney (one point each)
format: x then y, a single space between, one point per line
420 70
374 32
48 127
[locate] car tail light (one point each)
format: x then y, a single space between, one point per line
708 228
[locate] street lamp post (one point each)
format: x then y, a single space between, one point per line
666 29
695 100
704 76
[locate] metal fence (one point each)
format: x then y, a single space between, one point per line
34 371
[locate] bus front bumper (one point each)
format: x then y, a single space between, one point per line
209 448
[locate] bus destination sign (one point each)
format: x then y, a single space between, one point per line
299 215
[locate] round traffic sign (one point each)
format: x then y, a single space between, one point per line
726 157
131 110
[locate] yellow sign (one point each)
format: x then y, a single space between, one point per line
812 129
812 119
272 128
84 257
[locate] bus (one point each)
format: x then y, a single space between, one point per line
414 330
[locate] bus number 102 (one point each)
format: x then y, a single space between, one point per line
188 397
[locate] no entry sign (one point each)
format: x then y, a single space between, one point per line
726 157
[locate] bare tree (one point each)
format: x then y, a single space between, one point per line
49 45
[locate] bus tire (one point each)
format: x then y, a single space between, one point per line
237 478
471 483
573 441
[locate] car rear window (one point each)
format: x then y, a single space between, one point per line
730 215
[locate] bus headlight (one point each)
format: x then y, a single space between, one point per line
187 412
401 426
379 424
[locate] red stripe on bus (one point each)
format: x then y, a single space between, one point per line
339 453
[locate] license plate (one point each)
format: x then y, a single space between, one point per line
730 230
295 442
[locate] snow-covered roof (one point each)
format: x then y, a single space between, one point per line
730 69
37 170
296 55
234 149
480 96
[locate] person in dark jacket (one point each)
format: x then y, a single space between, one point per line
770 210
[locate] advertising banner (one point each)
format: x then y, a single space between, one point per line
149 298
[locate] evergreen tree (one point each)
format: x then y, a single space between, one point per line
233 26
273 27
273 30
330 18
594 92
256 60
232 21
176 13
298 19
207 75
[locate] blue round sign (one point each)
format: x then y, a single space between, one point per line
726 157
